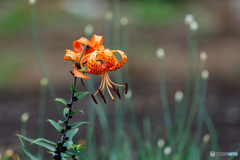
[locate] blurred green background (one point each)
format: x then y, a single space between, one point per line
152 24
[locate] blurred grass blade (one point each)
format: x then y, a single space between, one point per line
40 59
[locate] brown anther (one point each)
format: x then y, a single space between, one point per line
118 94
94 99
102 96
72 73
126 89
82 82
115 89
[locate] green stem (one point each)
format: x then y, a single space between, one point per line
86 46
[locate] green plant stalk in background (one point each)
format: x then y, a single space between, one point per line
41 114
40 59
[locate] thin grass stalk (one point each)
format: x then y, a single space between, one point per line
137 133
195 102
91 126
201 110
147 129
190 77
163 94
118 77
23 130
212 132
41 116
40 59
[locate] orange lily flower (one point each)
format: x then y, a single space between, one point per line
100 63
75 54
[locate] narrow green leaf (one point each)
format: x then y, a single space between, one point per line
60 122
44 140
26 151
18 157
45 145
81 148
70 151
55 124
77 111
81 95
65 111
75 125
73 89
62 101
71 133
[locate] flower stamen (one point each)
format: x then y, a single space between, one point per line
126 89
102 96
94 99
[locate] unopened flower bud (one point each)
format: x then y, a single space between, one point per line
194 26
167 150
9 153
206 138
205 74
88 30
108 16
32 1
124 21
24 117
188 19
203 56
178 96
161 143
160 53
44 82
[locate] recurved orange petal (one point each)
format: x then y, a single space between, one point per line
120 63
96 41
78 73
84 41
77 46
74 55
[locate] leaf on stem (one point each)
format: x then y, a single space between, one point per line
75 125
77 111
62 101
55 124
73 89
70 151
45 145
81 95
71 133
65 112
44 140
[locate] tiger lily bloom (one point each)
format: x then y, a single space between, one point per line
100 63
78 48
